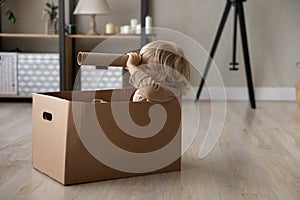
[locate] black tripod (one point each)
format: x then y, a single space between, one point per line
239 13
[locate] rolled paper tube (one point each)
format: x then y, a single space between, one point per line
101 59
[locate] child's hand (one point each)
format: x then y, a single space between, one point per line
134 60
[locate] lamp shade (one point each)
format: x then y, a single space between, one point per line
92 7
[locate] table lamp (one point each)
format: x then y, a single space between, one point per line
92 8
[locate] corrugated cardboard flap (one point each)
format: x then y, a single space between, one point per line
49 128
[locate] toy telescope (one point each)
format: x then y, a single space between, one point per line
102 59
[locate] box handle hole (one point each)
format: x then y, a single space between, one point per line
47 116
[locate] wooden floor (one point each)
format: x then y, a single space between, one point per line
257 157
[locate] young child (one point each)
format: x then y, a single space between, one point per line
160 72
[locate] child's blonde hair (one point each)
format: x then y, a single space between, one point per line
171 57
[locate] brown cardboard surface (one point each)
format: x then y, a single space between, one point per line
48 140
59 152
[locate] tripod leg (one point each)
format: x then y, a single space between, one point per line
246 52
234 63
214 47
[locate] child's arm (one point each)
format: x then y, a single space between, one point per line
133 61
149 88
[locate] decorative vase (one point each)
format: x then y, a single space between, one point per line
51 27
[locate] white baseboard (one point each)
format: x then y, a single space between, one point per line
261 93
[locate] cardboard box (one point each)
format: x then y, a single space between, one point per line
64 123
298 92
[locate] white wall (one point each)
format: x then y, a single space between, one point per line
273 36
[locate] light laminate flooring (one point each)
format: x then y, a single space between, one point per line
257 157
